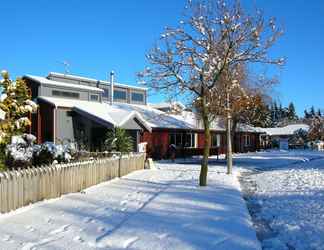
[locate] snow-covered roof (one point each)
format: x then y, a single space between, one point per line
45 81
287 130
110 114
166 105
157 118
119 113
91 80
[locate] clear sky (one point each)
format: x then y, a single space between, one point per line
98 36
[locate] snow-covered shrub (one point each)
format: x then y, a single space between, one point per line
19 153
22 152
44 154
49 152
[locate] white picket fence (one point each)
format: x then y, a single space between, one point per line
19 188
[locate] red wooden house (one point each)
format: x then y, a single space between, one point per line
82 110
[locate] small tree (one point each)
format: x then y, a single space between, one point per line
212 39
118 140
16 103
316 130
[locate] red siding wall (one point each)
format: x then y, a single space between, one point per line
157 143
45 127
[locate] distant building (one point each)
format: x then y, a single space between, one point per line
79 109
280 136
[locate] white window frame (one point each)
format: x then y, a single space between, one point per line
120 99
193 140
247 140
97 100
218 141
137 92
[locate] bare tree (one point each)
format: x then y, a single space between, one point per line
213 38
247 98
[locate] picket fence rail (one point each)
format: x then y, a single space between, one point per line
19 188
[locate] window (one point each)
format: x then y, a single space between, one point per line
176 139
66 94
216 140
94 98
119 94
190 140
247 140
70 113
105 94
137 97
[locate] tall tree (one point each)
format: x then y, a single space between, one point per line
213 38
292 116
306 114
312 112
319 113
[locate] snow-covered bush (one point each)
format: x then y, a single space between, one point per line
49 152
19 153
22 152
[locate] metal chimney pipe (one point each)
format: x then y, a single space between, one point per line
112 75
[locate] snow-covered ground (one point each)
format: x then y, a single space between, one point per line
149 209
286 193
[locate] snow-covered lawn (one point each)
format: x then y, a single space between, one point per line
149 209
288 195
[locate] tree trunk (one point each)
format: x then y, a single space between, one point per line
204 162
229 135
229 145
233 129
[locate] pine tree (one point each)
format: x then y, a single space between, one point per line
291 112
319 113
15 102
119 140
312 112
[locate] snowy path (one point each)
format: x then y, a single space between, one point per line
149 209
287 194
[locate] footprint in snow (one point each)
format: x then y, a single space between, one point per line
78 239
130 242
186 225
162 236
123 203
60 229
87 220
6 237
30 228
100 229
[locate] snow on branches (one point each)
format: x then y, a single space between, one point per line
213 37
16 105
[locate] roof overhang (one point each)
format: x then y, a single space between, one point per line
94 118
138 119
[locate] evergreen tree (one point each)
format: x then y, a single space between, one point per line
291 114
319 113
119 140
306 114
312 112
16 104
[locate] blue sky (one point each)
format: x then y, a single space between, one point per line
98 36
